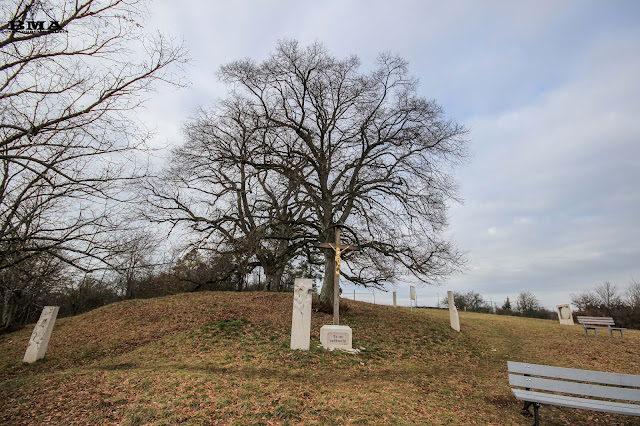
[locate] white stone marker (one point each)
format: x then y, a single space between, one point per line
453 312
395 305
564 314
336 336
301 318
41 334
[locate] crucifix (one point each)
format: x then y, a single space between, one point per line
338 250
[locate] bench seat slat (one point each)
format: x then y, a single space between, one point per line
597 323
581 389
599 377
573 402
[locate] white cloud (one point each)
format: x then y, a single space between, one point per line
567 167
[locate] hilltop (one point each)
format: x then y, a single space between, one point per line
224 358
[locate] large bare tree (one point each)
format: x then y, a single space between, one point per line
336 146
71 78
68 137
368 152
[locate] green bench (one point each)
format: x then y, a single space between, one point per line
571 386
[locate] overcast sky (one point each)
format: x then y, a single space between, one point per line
550 91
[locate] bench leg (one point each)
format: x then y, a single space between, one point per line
620 330
525 411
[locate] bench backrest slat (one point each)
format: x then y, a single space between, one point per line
600 377
596 320
575 388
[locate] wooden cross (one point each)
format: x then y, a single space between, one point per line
338 249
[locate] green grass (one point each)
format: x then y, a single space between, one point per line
224 358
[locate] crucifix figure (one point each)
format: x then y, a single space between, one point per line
339 249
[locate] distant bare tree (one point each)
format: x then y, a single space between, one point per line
133 261
68 138
633 294
527 303
585 301
607 294
470 301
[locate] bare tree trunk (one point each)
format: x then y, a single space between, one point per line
129 288
326 295
273 278
8 309
241 279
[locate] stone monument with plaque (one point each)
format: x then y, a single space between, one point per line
41 334
336 337
301 318
564 314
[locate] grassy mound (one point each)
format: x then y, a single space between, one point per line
224 358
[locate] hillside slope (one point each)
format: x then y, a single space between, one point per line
224 358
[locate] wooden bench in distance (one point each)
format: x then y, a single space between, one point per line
592 323
622 387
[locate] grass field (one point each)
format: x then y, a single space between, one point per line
224 358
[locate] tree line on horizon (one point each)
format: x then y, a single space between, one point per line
525 305
605 300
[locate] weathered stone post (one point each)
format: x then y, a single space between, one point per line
453 312
301 318
41 334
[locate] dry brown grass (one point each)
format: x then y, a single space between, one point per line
224 358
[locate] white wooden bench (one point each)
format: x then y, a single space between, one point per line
592 323
583 383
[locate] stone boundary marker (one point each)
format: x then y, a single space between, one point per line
41 334
453 312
